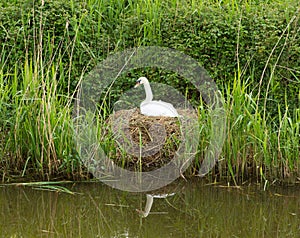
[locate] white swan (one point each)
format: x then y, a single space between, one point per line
154 108
150 202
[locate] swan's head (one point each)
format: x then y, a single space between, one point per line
141 80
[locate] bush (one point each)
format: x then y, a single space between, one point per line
251 43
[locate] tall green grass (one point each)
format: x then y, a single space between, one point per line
256 147
38 85
40 133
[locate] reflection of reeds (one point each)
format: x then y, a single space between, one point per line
47 186
196 210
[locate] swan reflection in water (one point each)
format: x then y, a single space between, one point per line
149 202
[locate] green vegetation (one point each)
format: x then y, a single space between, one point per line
250 48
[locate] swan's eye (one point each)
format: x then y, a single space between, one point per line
138 83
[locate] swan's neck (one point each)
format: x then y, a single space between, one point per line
149 95
148 205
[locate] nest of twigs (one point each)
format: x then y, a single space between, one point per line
141 136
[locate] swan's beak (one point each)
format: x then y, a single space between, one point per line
137 84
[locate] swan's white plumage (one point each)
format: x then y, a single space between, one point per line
149 202
154 108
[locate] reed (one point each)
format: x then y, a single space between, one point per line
53 44
256 147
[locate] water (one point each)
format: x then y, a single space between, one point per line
195 210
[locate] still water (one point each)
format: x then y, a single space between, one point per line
191 209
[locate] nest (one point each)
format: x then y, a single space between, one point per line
143 143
